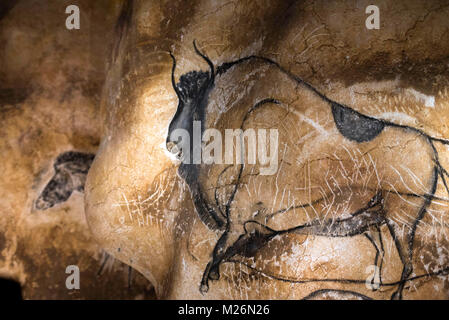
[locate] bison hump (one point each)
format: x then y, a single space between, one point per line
354 125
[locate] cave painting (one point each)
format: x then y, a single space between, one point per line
344 173
70 175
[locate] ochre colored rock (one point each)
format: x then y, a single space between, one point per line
359 113
50 84
354 205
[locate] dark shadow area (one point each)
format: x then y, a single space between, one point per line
10 290
6 6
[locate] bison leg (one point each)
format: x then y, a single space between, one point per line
212 269
404 241
405 254
255 236
375 237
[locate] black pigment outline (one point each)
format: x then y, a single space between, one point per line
60 187
444 271
192 91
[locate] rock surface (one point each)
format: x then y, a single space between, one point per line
356 207
50 86
397 75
